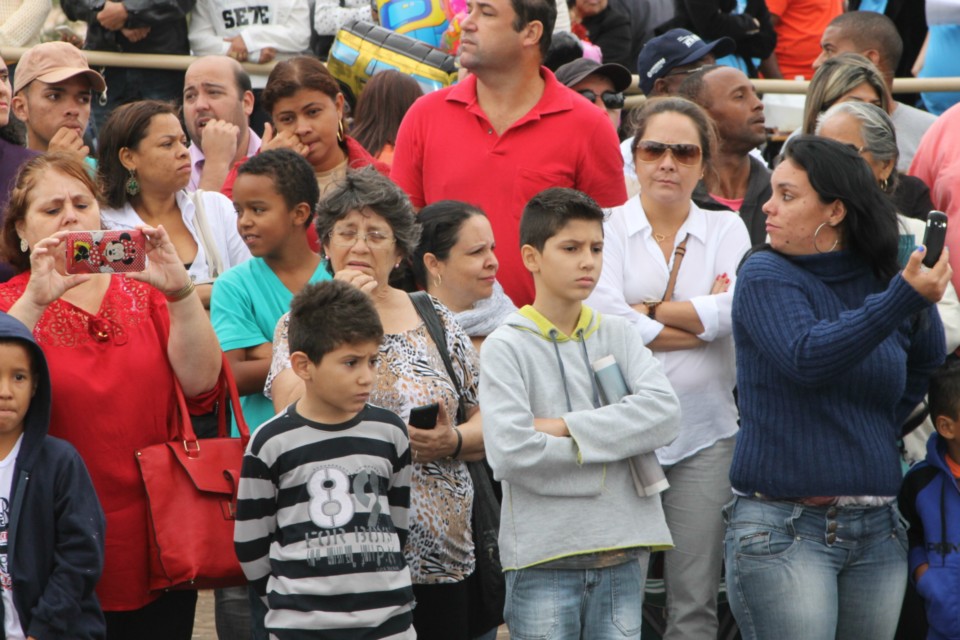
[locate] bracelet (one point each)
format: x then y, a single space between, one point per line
180 294
456 452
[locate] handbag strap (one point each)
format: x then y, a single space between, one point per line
428 313
678 254
205 235
227 389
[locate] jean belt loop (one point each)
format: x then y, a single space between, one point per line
790 522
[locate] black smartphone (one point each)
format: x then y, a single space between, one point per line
934 237
424 417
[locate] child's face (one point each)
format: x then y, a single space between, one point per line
264 220
17 386
569 266
340 384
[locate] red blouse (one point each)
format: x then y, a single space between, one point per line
113 393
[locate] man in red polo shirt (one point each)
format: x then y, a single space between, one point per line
506 132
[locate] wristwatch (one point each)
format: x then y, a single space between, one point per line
652 308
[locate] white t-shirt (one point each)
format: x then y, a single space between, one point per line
11 621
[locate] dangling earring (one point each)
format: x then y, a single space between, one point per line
133 187
885 184
340 131
817 233
438 281
24 245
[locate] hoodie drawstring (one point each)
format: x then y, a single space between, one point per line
593 379
563 374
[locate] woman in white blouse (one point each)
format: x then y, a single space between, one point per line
658 237
143 167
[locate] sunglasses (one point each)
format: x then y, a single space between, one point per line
650 151
611 99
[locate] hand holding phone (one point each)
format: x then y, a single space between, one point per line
934 237
424 417
118 251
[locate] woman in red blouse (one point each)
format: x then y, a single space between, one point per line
115 345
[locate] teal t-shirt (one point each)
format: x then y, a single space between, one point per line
246 303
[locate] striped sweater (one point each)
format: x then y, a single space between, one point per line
321 524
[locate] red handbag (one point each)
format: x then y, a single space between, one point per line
191 489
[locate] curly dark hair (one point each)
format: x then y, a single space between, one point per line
292 176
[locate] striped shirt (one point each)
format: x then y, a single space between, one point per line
321 524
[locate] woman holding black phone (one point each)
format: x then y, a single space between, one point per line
835 345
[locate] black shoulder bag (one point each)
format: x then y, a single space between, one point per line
486 602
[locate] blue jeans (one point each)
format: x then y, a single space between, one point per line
814 573
568 604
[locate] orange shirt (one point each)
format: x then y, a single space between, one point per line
954 466
802 23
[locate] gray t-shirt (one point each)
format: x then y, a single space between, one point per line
911 123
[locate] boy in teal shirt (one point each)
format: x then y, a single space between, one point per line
275 196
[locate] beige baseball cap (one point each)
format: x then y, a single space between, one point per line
53 62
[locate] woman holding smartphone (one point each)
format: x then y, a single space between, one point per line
835 345
116 346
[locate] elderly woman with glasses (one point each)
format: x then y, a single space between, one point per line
368 230
871 132
669 267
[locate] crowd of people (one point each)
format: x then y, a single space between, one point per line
497 344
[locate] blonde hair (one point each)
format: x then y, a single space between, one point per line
838 76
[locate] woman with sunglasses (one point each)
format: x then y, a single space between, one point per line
836 344
669 267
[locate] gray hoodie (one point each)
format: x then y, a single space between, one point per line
570 496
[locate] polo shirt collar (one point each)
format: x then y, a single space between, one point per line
636 221
556 98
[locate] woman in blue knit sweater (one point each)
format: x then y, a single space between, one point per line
834 348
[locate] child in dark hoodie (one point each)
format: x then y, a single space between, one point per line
930 501
51 523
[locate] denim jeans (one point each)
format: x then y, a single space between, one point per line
814 573
575 604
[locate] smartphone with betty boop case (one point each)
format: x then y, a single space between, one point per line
116 251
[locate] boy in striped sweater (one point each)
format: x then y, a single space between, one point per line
325 485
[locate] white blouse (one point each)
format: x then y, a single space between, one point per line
635 271
221 216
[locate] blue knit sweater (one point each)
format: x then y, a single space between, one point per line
830 361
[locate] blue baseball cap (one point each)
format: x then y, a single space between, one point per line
676 48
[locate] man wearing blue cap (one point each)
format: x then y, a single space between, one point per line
664 63
667 60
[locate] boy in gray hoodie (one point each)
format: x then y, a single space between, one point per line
574 534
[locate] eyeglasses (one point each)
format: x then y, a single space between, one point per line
682 72
611 99
349 237
650 151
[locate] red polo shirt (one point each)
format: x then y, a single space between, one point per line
447 150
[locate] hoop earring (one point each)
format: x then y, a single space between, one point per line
132 187
24 245
817 233
438 281
340 131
